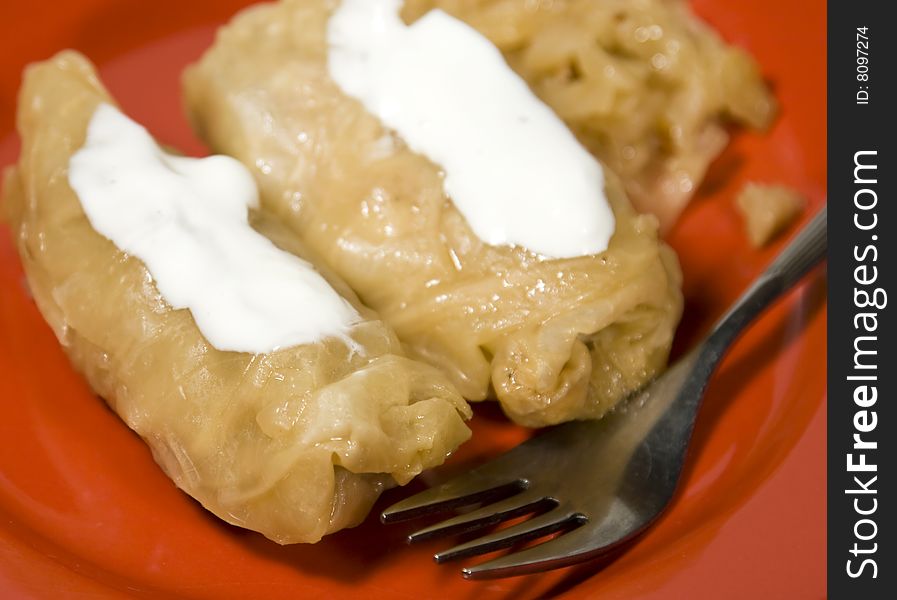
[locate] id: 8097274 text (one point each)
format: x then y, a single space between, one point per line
862 96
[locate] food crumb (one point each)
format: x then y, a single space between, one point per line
768 210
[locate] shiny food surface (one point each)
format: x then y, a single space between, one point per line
648 88
187 219
295 443
550 339
511 167
85 518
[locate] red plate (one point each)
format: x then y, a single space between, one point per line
84 510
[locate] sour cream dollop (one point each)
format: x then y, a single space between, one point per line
187 219
512 167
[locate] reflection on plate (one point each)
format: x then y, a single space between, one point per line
85 509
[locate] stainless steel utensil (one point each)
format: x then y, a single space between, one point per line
599 483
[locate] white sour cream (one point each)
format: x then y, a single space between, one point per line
512 168
187 220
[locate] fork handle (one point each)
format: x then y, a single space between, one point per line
806 250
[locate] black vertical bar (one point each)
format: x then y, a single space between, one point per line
862 437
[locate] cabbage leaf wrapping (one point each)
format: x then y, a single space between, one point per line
552 340
295 443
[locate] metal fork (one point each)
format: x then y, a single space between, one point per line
599 483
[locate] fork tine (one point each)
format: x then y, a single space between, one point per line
455 493
567 549
544 524
485 516
595 539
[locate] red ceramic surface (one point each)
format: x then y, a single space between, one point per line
84 511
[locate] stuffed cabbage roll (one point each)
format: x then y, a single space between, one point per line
294 443
551 339
647 86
